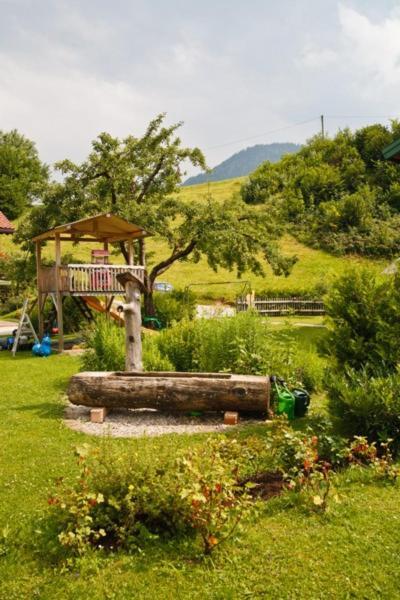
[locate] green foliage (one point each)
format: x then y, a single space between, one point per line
22 175
174 306
153 359
337 194
364 382
105 349
216 503
40 447
119 502
20 270
105 343
363 317
241 344
369 405
138 179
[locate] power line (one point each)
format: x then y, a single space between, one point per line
361 116
263 134
285 128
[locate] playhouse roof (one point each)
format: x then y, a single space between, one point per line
392 152
105 227
5 225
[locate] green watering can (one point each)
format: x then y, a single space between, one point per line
293 403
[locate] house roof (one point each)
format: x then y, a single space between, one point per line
105 227
392 152
5 225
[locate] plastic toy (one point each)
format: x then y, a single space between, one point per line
44 348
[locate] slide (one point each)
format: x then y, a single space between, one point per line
95 304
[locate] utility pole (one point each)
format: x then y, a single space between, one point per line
322 127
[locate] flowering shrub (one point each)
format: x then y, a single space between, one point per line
117 502
209 485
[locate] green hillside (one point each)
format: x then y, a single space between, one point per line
314 266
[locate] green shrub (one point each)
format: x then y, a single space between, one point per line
369 405
105 349
153 360
105 343
120 501
174 306
363 316
241 344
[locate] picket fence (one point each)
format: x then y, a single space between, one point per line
280 306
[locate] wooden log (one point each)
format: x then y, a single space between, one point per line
172 392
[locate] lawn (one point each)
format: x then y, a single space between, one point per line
313 267
351 552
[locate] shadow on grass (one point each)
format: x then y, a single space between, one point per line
44 410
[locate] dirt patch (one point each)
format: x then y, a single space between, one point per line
266 485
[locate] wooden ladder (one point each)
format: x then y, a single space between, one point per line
24 327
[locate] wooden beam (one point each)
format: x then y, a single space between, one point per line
38 249
60 320
130 253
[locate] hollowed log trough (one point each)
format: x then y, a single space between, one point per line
171 391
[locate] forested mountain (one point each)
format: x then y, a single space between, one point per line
245 161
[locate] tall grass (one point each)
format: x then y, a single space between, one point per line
242 344
105 349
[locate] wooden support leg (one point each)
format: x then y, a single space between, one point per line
60 323
41 304
97 415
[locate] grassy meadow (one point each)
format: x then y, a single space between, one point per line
284 552
313 267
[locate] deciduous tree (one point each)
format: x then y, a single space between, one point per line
139 179
23 177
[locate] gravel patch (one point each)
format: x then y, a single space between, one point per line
143 422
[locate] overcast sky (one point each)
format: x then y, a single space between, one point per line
231 70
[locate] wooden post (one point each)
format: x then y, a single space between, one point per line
60 322
133 321
130 253
38 248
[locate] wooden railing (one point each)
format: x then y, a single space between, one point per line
81 280
280 306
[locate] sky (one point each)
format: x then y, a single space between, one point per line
236 73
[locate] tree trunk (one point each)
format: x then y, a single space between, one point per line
172 392
133 321
149 308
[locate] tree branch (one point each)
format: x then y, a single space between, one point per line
165 264
124 251
150 180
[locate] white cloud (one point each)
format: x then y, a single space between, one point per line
316 57
372 49
67 110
